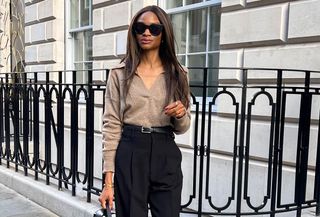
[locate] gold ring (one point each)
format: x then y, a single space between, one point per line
176 103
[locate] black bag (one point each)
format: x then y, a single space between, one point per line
103 212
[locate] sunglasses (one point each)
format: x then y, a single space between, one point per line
140 28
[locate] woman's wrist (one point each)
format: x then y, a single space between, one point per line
108 181
108 185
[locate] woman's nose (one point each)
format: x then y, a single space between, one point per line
147 32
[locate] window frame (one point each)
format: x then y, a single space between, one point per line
70 63
80 28
188 8
185 9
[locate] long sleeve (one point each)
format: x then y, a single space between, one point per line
112 125
181 125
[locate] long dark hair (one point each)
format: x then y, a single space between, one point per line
176 78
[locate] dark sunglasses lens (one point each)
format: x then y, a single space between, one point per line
140 28
155 29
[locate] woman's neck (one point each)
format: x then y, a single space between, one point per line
151 59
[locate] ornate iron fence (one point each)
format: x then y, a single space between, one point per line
34 125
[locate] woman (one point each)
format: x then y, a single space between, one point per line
147 99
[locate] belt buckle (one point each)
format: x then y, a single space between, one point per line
146 130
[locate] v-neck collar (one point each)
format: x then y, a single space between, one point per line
153 83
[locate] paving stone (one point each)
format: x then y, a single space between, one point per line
13 204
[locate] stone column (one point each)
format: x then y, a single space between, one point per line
5 65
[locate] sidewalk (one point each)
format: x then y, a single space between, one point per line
62 203
13 204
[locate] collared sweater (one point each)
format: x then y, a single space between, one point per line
141 107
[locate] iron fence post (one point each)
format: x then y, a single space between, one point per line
74 132
15 104
89 136
7 119
317 174
60 129
36 126
241 140
303 145
276 147
47 129
25 124
202 146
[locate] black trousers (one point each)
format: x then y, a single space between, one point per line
147 172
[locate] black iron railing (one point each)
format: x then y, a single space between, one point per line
279 135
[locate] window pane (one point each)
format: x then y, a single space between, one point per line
214 28
179 27
82 46
196 75
197 30
85 7
197 60
74 10
88 65
82 76
87 46
188 2
78 46
213 61
173 3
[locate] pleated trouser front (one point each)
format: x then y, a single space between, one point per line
147 172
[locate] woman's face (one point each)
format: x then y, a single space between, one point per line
148 31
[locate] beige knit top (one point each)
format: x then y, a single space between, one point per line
142 107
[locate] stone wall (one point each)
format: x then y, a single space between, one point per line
44 35
272 34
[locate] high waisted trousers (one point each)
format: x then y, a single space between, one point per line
147 172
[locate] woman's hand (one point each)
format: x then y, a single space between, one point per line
106 196
175 109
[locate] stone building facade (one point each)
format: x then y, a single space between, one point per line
253 33
83 34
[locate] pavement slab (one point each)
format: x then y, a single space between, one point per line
13 204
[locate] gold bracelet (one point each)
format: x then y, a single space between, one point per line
108 185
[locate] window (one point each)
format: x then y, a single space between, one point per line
196 26
80 37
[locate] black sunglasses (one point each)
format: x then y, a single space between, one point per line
140 28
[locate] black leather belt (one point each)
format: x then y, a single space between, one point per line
166 129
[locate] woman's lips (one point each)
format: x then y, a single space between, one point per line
146 41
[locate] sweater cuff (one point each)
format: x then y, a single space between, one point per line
109 158
182 124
